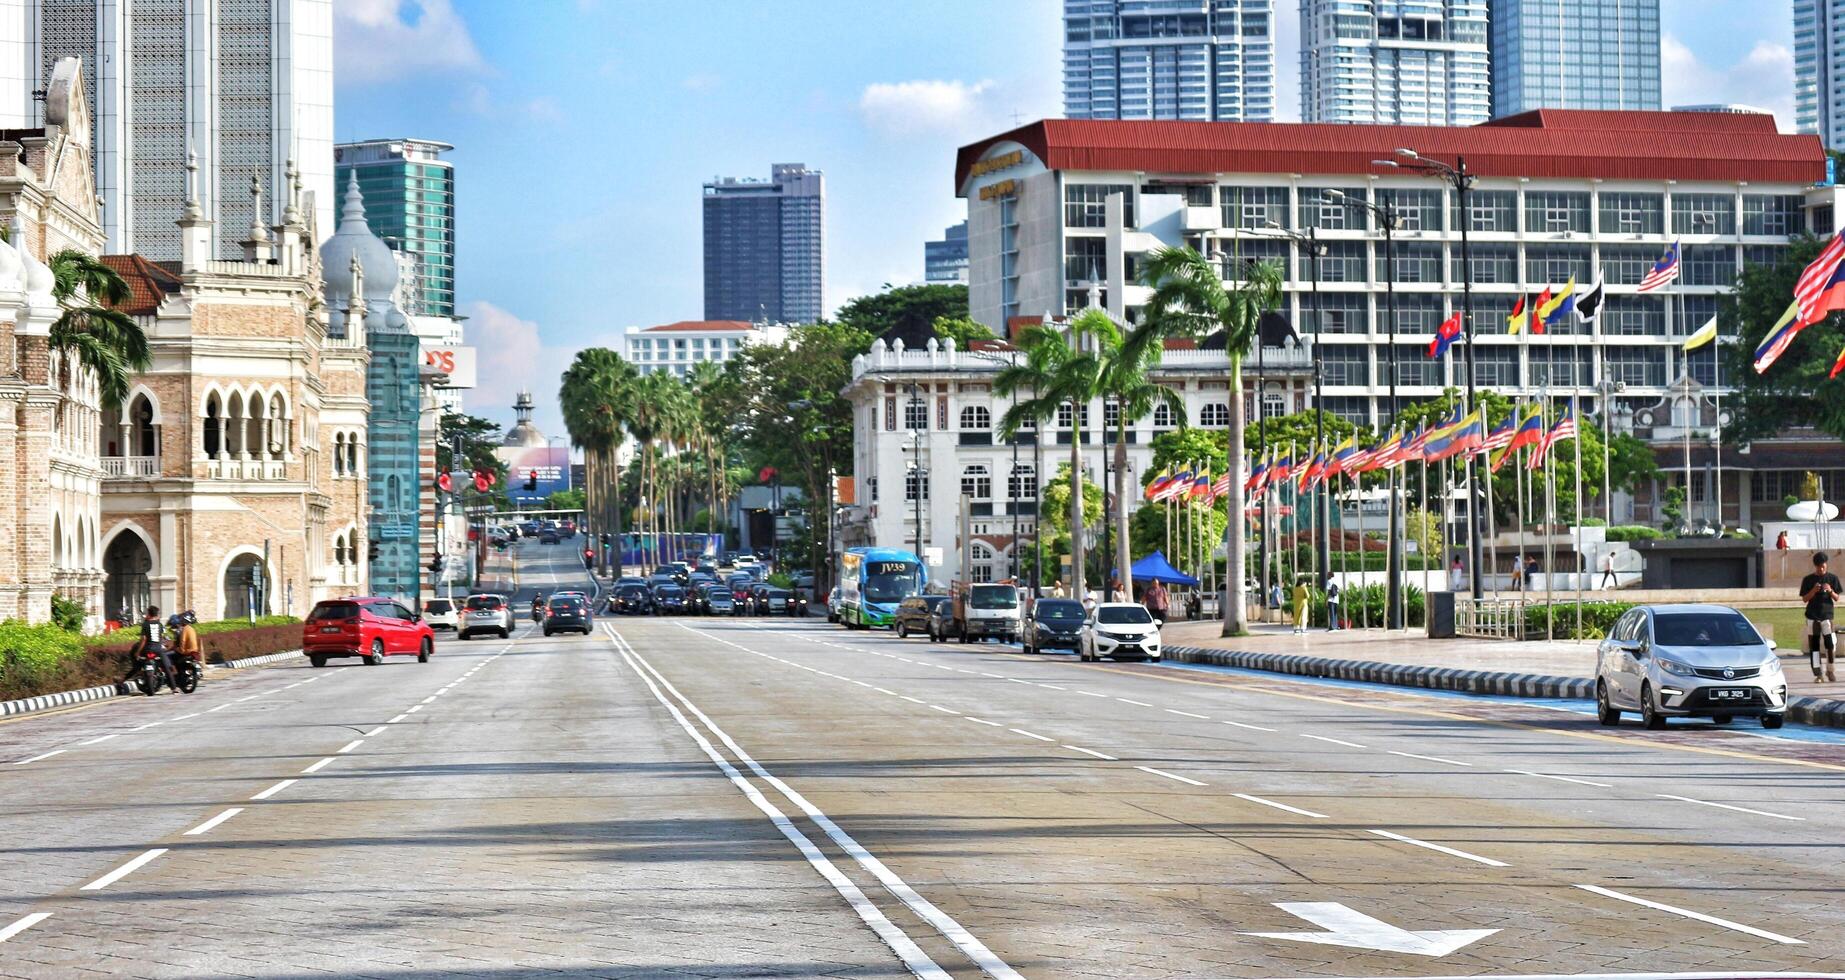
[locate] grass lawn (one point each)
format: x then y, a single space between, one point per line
1781 625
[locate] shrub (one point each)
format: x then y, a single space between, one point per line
1597 618
68 614
46 658
1364 604
1634 532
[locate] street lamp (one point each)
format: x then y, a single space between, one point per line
1387 222
1310 241
1607 388
918 477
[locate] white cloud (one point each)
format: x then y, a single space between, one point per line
1764 78
926 107
386 40
515 359
479 100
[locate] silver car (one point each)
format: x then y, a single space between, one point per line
1691 660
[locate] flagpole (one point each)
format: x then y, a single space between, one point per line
1550 550
1343 579
1492 524
1582 566
1716 353
1518 573
1422 467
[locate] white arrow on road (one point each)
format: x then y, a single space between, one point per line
1356 929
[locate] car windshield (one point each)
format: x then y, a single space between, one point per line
993 597
1059 612
334 610
1704 629
783 593
718 595
631 590
673 591
1123 615
485 602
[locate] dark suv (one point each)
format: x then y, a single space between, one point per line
631 598
913 614
568 613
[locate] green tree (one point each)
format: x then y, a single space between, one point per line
1126 380
91 329
909 309
1795 391
575 498
1191 299
595 393
478 439
1058 372
961 330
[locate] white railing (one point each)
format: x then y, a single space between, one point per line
131 467
1492 619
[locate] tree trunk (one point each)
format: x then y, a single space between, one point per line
1235 597
1123 553
1077 585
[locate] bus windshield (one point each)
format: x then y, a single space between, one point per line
891 581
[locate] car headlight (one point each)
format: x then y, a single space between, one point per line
1674 667
1773 666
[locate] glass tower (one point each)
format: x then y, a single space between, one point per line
765 246
1818 70
410 203
1412 63
1208 60
1576 54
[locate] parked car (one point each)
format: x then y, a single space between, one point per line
632 598
568 612
1054 624
367 627
1688 660
668 598
486 612
913 614
941 622
719 602
440 614
832 605
1120 629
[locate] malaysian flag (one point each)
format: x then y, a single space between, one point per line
1817 275
1662 272
1501 437
1564 429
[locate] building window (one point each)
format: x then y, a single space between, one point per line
915 481
890 414
1496 365
1555 212
1086 205
1111 415
1023 484
915 414
1413 262
1627 265
1063 416
976 418
1274 404
1343 262
1163 417
1255 207
871 483
1556 265
1709 265
1491 211
1703 214
1487 264
1417 210
1085 259
1317 211
982 559
1346 364
1634 316
1334 313
977 482
1636 366
1215 415
1624 213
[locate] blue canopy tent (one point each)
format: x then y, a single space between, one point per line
1155 568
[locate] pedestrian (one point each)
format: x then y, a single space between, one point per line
1333 621
1531 567
1457 578
1302 597
1609 579
1158 602
1058 591
1277 598
1194 605
1820 590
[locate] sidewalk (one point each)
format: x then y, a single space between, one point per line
1536 668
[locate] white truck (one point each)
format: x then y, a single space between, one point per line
982 611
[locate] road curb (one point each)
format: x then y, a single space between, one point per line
267 658
45 702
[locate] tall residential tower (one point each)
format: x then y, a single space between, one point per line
410 203
765 246
1819 69
1583 54
1169 59
1413 63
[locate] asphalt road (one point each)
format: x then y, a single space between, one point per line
744 797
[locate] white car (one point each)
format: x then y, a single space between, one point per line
1120 629
486 613
440 614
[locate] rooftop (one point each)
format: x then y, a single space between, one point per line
701 326
148 282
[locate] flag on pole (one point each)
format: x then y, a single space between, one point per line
1201 485
1501 437
1537 309
1564 429
1589 304
1282 471
1662 272
1459 437
1341 455
1221 486
1384 457
1445 335
1184 480
1516 321
1830 297
1816 276
1703 335
1158 484
1530 431
1554 312
1779 336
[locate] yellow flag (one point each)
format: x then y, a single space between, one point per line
1563 296
1704 335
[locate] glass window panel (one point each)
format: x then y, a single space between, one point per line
1703 214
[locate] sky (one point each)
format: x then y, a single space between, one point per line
584 130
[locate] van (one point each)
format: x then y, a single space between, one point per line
986 611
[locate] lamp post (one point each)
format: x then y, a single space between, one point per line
1310 241
1393 577
918 476
1607 389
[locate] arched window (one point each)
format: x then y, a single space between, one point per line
1023 484
339 460
976 417
352 454
914 482
981 560
278 427
1163 417
1215 415
977 482
142 440
214 426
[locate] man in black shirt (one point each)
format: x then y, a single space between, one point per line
1819 590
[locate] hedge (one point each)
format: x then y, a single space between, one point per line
1363 604
45 659
1597 619
1634 532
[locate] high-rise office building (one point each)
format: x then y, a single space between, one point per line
765 246
1169 59
946 260
246 86
1420 63
1819 69
410 203
1574 54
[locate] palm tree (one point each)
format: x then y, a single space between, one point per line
1125 380
596 391
1058 372
102 338
1191 299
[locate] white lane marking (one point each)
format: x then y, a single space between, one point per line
983 721
972 947
213 822
862 684
1187 714
429 699
124 871
906 697
945 710
1169 775
273 790
1431 758
397 719
248 698
414 709
142 728
1017 681
195 714
1142 704
375 731
1349 927
100 738
906 949
1054 687
1253 728
1687 913
883 691
1092 694
1566 779
994 676
1078 748
1021 731
22 925
37 758
349 746
218 708
1335 741
1281 806
1726 806
318 766
1456 852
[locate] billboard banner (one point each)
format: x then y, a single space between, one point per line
458 363
550 465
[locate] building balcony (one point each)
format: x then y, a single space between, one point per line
232 468
130 467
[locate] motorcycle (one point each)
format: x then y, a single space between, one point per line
152 677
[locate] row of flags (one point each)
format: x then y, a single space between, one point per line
1818 292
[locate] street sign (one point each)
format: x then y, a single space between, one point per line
932 557
395 531
1348 927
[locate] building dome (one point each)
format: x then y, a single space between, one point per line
12 268
354 238
524 433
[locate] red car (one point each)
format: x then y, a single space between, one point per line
367 627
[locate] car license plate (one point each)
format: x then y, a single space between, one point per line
329 629
1730 694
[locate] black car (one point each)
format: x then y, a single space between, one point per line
668 598
913 614
1053 624
631 598
547 536
568 613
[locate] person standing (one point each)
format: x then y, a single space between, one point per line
1457 577
1531 568
1820 590
1609 579
1302 597
1332 604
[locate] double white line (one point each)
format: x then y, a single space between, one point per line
906 949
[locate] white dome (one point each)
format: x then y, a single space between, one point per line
354 237
39 279
12 269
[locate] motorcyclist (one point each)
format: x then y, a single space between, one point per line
186 637
538 608
154 636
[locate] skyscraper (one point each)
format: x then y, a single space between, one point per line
1577 54
765 246
1419 64
1209 60
1819 65
245 85
946 260
410 203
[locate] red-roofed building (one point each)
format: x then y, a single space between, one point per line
677 346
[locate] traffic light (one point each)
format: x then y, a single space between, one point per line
372 552
605 539
531 481
436 564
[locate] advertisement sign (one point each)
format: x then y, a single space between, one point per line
458 363
550 466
